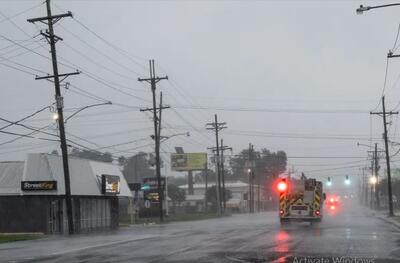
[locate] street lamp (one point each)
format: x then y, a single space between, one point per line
84 108
373 180
187 134
55 116
362 8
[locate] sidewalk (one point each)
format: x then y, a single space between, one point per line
384 215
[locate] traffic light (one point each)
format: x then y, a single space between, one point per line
329 182
282 185
145 187
347 180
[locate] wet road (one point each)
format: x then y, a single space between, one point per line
354 236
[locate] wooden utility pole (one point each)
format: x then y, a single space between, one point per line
223 148
153 80
251 177
206 186
216 127
376 164
385 135
50 20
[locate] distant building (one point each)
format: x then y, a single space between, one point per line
32 195
239 201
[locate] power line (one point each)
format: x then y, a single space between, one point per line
22 12
295 111
333 169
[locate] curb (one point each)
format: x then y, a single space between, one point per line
389 220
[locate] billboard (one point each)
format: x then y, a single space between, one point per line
110 184
188 161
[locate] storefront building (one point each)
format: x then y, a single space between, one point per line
32 195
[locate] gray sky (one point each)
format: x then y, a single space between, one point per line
298 76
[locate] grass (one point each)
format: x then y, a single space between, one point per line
5 238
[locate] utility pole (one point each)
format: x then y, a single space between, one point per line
251 177
206 185
153 80
376 162
383 114
371 196
223 149
216 127
52 39
374 172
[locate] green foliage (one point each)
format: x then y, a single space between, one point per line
201 176
268 165
92 155
5 238
137 167
212 195
176 194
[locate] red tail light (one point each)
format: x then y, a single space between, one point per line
281 212
282 186
317 212
333 207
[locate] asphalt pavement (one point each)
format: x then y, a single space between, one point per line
352 235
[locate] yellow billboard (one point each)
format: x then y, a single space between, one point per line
188 161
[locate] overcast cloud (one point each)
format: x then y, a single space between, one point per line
298 76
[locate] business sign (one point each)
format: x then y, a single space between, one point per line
188 161
110 184
39 185
151 183
150 189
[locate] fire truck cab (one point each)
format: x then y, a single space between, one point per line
300 200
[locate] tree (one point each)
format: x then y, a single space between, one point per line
176 194
122 160
268 165
137 167
212 196
92 155
201 176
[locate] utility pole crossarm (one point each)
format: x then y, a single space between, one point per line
59 75
158 108
386 113
51 17
156 79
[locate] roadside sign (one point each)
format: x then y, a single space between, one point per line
147 204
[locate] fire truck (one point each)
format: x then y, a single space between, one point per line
300 200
